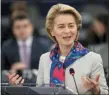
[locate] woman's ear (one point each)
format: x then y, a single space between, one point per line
52 33
53 36
77 36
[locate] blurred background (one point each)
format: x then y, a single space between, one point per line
93 35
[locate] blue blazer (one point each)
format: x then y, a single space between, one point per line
10 53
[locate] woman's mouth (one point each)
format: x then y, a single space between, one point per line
67 38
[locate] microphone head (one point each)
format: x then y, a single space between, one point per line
71 71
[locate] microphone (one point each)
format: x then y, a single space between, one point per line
72 72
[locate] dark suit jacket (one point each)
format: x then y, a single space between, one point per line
10 53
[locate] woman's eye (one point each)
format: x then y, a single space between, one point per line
71 26
61 26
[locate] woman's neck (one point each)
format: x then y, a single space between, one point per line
65 49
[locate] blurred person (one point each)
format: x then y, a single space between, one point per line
23 50
104 53
63 24
9 8
97 33
98 37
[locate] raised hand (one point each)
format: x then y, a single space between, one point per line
15 79
91 84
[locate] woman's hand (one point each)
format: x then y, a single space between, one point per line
15 79
91 85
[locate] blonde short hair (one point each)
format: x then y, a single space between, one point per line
58 9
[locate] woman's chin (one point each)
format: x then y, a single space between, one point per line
68 43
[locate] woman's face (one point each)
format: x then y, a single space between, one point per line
64 29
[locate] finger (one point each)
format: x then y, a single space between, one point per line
85 80
18 80
88 87
15 78
97 78
10 76
94 83
86 83
22 81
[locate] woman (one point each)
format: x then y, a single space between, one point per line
63 24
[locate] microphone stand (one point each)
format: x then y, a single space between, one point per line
75 84
64 77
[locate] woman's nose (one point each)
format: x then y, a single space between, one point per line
67 30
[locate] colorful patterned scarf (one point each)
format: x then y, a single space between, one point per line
57 68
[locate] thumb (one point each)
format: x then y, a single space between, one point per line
97 78
8 74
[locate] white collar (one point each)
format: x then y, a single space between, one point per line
28 41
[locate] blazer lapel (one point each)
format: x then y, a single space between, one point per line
33 54
47 79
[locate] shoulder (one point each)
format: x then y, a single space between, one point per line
7 43
91 59
44 59
93 56
42 39
45 56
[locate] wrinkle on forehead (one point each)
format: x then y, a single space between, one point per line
61 19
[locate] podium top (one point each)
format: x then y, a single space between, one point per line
21 90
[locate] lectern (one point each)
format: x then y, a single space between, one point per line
27 90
